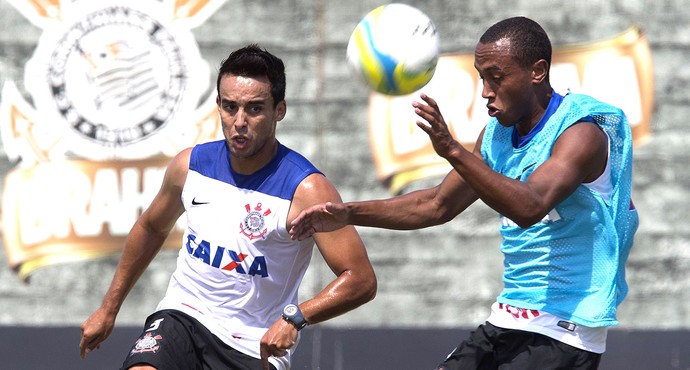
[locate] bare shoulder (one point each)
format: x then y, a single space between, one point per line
584 146
182 158
314 189
176 173
583 137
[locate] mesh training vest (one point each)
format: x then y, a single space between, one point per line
572 263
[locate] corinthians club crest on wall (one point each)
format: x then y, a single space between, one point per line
117 88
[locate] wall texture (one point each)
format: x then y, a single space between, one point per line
445 276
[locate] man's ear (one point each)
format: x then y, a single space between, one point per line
281 110
540 70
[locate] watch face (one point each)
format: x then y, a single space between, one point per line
290 309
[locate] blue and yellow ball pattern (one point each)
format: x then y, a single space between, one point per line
394 49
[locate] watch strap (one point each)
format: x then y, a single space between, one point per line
293 314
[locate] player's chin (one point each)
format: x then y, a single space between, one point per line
504 121
240 151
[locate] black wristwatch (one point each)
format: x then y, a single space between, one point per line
292 314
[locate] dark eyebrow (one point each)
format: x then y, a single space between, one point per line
493 68
253 102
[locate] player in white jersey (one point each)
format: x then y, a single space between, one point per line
232 302
558 169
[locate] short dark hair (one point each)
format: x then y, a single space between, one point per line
254 61
528 40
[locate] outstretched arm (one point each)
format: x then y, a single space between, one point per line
414 210
141 246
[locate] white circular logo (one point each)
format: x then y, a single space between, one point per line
254 221
116 76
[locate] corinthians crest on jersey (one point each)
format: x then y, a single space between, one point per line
253 226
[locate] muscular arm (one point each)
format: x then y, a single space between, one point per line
417 209
344 252
579 155
141 246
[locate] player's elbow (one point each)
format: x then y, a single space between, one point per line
372 288
366 287
445 216
440 213
446 210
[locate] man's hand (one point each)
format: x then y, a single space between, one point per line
95 330
436 127
319 218
280 337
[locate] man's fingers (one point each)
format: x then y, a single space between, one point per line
88 344
268 352
300 231
84 348
264 357
429 100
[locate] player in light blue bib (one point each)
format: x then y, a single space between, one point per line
558 170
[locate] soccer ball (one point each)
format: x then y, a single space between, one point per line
395 49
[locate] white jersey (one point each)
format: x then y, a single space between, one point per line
238 267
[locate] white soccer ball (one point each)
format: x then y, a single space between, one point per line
394 49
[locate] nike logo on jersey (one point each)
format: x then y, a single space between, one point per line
195 203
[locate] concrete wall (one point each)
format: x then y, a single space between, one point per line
440 277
